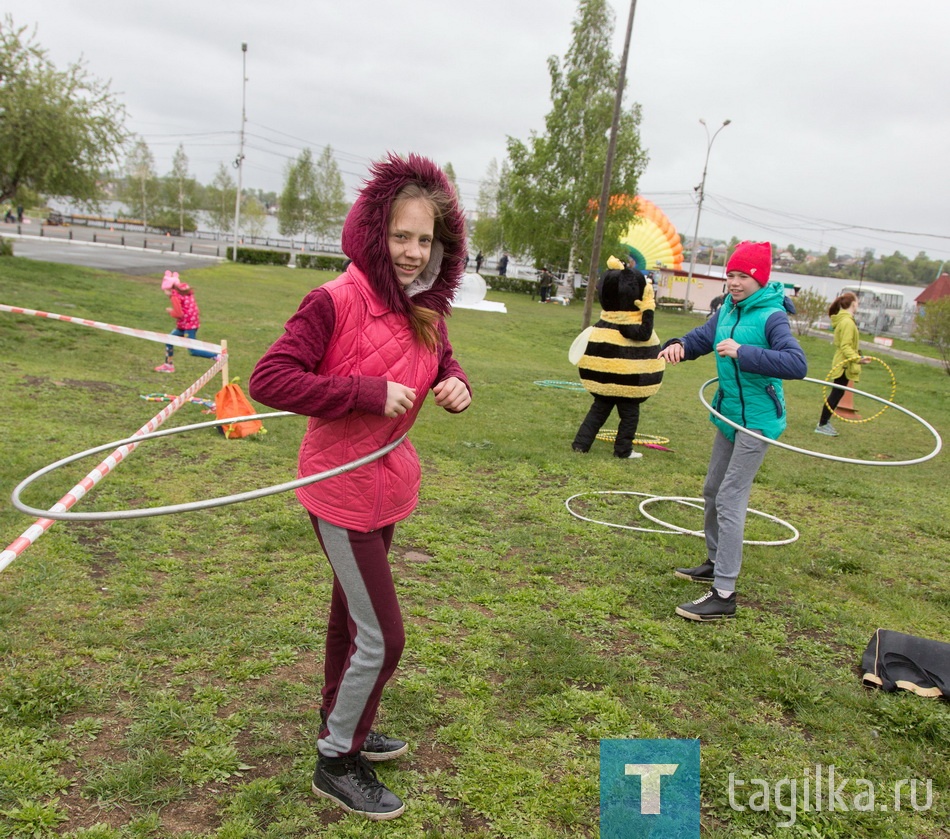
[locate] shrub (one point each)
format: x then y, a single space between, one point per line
320 262
933 327
809 307
255 256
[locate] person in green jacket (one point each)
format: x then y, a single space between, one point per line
847 360
755 350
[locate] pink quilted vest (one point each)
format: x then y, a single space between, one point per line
370 340
189 312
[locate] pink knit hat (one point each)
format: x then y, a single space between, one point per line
170 279
754 259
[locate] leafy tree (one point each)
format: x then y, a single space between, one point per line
139 188
450 174
222 194
551 195
253 216
809 307
59 129
923 269
488 232
891 269
298 185
181 190
933 327
328 206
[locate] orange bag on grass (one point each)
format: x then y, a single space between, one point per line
230 401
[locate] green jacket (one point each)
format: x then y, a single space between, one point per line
847 355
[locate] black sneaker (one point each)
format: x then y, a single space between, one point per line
700 574
376 746
352 783
709 607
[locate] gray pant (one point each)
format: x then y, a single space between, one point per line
732 469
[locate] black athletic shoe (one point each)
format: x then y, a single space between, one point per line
377 746
352 783
709 607
700 574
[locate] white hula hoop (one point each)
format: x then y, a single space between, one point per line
669 531
193 505
822 455
689 502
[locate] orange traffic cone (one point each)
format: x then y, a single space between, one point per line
846 407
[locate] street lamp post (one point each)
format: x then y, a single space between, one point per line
239 162
699 209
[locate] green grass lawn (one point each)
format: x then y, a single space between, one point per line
160 676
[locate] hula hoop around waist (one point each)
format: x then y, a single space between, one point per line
822 455
220 501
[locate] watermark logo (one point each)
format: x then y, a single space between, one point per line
824 789
649 788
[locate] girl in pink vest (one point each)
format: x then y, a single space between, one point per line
358 359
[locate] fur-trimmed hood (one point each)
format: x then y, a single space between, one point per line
366 230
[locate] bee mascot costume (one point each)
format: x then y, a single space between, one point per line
620 367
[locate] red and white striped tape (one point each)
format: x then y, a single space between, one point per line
160 337
40 526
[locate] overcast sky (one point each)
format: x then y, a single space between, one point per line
840 109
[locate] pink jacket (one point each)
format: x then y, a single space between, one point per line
347 340
368 340
332 364
190 315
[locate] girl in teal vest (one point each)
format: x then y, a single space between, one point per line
755 351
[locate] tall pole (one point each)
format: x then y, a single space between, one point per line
699 209
608 173
239 162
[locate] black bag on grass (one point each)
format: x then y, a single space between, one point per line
894 660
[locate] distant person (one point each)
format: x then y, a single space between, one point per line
545 284
9 218
503 265
755 350
848 358
184 308
714 305
19 214
479 259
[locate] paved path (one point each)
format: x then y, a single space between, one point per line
93 247
870 348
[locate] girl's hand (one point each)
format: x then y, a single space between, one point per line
673 354
399 399
452 395
728 347
864 359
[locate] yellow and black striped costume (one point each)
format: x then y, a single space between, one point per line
621 357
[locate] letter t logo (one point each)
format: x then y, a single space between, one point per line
650 774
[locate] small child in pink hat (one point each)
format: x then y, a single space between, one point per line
184 308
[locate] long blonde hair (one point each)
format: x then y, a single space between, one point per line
423 321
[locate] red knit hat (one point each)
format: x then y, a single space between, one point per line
754 259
